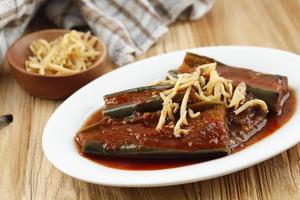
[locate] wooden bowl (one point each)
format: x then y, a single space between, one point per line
46 86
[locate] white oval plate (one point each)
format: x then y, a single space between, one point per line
59 147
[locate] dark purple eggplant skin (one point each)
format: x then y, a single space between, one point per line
128 103
133 151
124 110
151 104
139 89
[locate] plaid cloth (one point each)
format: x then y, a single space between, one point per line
127 27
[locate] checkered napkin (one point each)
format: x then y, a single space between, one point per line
127 27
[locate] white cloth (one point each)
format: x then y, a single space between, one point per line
127 27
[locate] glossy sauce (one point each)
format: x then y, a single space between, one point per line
274 122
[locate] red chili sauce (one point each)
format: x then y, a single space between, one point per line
274 123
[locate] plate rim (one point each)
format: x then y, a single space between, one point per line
189 180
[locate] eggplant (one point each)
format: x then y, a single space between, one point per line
273 89
133 96
137 140
120 111
139 89
149 105
128 119
135 151
126 109
270 97
192 60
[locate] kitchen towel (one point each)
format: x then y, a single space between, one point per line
127 27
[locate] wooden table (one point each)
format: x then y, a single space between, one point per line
25 173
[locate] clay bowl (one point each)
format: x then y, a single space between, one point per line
45 86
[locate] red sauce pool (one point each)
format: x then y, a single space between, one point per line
274 123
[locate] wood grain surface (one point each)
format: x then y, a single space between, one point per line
25 173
